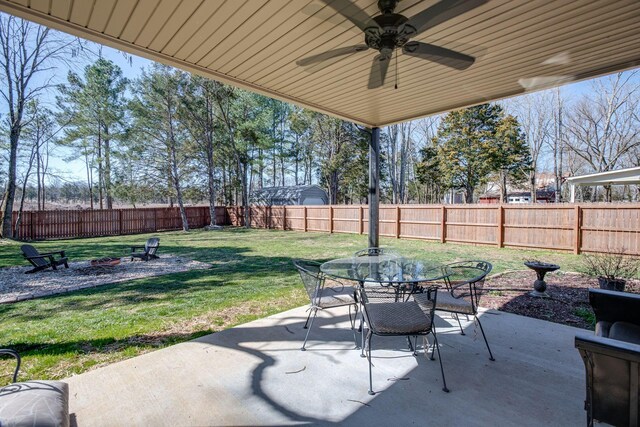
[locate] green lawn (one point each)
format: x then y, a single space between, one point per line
252 277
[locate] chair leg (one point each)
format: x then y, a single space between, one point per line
444 382
459 324
485 338
315 312
369 334
308 317
362 333
353 324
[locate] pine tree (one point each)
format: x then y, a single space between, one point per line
93 109
161 135
467 150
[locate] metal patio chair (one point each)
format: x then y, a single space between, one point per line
464 288
324 294
149 250
385 316
42 261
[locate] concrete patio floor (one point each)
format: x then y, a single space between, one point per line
255 374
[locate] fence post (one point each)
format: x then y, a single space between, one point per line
32 226
331 215
577 230
120 221
500 226
305 218
284 217
397 222
443 224
361 220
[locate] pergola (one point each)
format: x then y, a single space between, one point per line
618 177
518 46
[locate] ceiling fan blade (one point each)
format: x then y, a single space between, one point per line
438 54
378 73
441 12
330 54
352 12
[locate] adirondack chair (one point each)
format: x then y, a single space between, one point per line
150 248
45 260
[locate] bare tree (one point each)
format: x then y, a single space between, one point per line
27 51
604 125
535 115
399 145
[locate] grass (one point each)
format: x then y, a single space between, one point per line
252 277
587 314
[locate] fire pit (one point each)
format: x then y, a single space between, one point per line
105 262
541 268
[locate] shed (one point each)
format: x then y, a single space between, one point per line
618 177
294 195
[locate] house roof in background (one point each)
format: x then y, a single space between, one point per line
519 45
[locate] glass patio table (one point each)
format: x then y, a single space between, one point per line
404 274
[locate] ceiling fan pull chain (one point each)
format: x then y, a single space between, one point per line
396 52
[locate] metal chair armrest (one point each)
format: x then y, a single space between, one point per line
18 361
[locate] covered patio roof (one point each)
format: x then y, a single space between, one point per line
517 45
626 176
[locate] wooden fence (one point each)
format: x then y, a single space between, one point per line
60 224
564 227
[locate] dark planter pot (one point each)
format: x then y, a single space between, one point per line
612 284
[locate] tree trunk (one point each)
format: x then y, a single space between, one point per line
100 171
212 186
532 183
39 192
242 168
34 150
89 179
503 187
176 186
107 170
7 203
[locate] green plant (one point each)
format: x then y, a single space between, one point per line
611 265
587 314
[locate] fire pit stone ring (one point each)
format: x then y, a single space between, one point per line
541 268
105 262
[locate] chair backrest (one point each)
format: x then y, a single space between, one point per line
467 280
151 246
611 369
375 252
312 277
614 306
29 251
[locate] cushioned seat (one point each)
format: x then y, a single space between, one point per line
35 403
448 302
335 296
625 331
397 318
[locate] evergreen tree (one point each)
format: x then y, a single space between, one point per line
92 108
511 155
162 137
467 149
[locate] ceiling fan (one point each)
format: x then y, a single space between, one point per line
389 31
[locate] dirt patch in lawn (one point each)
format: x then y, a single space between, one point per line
568 303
